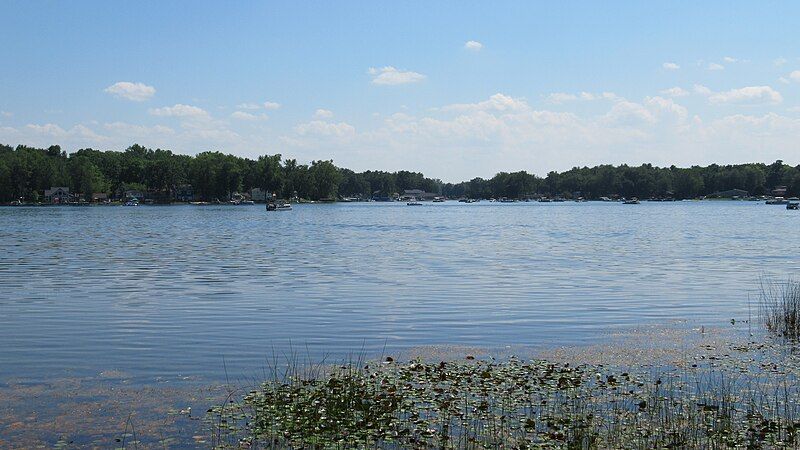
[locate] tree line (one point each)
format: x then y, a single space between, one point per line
25 172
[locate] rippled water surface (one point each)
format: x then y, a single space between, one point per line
165 291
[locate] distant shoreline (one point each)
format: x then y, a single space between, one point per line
50 175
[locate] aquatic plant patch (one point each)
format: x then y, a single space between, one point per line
737 399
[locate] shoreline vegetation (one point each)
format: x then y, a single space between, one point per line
735 395
735 398
30 175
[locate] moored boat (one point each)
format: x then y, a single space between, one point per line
280 206
777 201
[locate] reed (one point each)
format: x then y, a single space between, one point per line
779 304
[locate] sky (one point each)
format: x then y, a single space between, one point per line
453 89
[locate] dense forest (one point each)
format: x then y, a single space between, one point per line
26 172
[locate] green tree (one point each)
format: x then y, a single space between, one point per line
324 178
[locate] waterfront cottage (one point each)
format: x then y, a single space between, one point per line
133 193
258 195
184 193
57 195
417 194
779 191
731 193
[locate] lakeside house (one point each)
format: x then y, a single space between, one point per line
133 193
259 195
100 197
779 191
417 194
57 195
184 193
730 193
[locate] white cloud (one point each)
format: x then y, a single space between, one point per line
497 133
600 96
255 106
391 76
626 113
778 62
795 76
137 131
6 114
52 131
670 66
474 46
675 92
715 67
730 59
271 105
563 97
784 80
246 116
507 133
47 128
497 102
136 92
702 90
180 110
323 114
191 137
666 108
748 95
323 128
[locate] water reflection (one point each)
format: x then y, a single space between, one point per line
170 291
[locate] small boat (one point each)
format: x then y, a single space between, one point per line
793 206
413 204
132 202
438 200
281 206
199 203
777 201
633 201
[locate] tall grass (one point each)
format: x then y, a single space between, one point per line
779 304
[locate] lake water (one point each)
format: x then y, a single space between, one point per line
175 291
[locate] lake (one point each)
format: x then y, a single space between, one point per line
188 291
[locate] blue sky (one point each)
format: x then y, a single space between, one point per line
453 89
